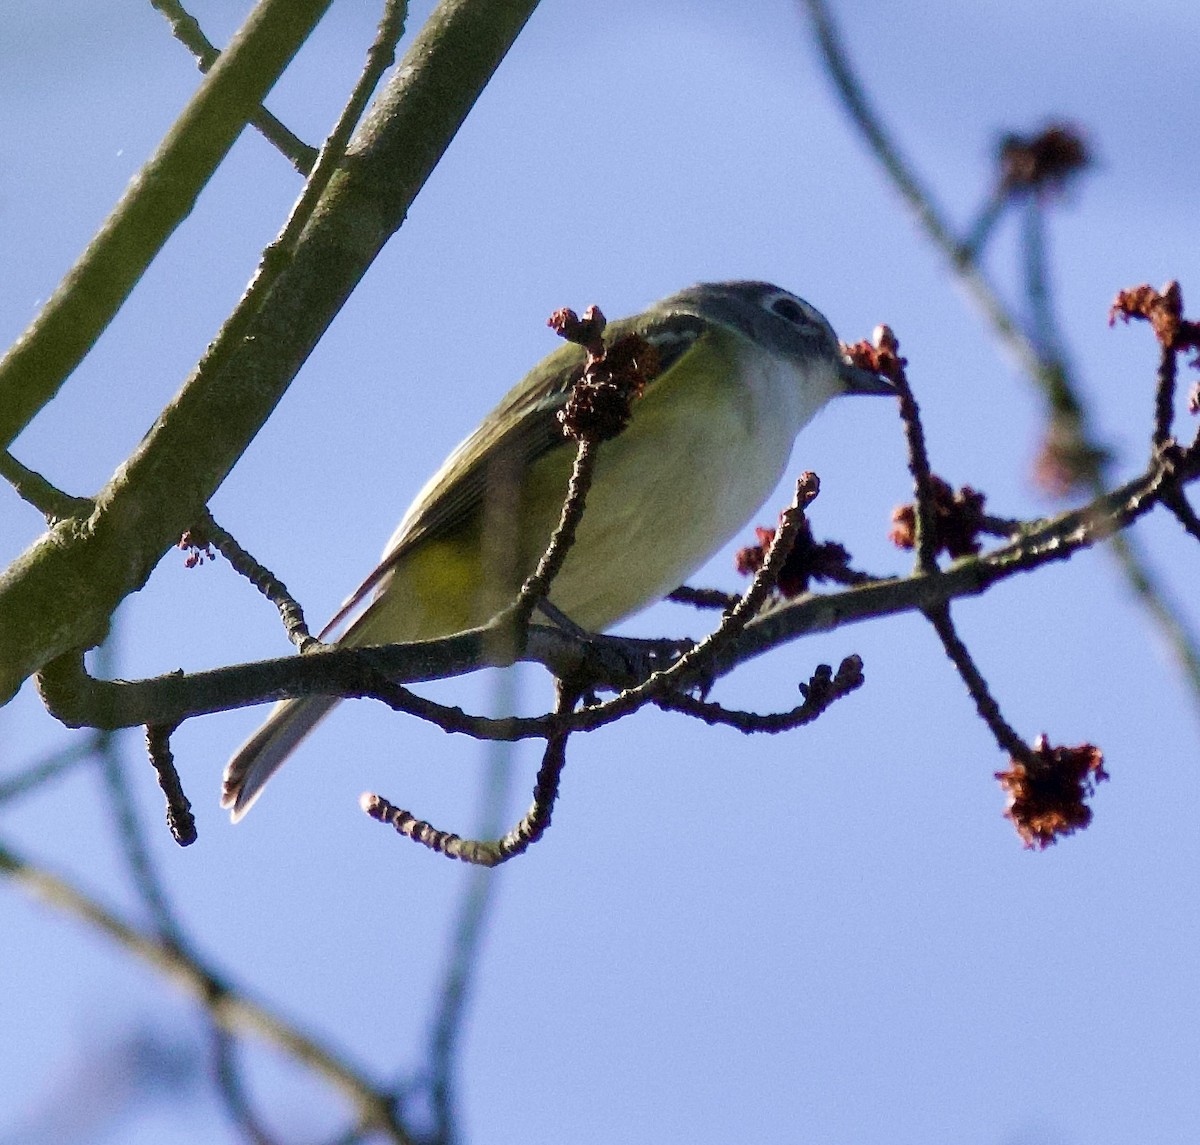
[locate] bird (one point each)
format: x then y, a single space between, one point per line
742 367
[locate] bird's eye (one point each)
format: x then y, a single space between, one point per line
789 309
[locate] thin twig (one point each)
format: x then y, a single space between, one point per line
822 691
380 56
1010 742
1177 502
180 820
1051 376
1000 526
493 852
261 577
703 597
537 587
1164 396
734 622
135 846
186 29
918 466
30 486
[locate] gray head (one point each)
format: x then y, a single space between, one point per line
773 317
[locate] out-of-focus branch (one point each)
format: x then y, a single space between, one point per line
227 1079
1049 370
929 215
533 825
462 962
228 1005
35 775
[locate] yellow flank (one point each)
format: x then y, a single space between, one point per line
633 545
431 593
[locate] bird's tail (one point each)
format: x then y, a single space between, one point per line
264 752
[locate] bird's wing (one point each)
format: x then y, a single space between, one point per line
521 429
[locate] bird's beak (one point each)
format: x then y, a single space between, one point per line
856 380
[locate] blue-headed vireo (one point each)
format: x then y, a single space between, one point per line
743 366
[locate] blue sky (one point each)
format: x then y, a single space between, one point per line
869 955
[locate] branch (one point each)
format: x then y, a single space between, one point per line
60 593
493 852
227 1080
186 29
228 1005
290 612
820 693
79 700
157 200
1051 374
989 711
33 488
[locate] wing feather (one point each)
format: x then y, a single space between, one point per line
521 429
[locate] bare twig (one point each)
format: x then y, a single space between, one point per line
180 820
186 29
489 852
703 597
52 503
1177 502
290 612
131 838
700 658
136 848
1164 396
537 587
1051 376
380 56
822 691
1009 741
918 466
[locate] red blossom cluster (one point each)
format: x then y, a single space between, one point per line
808 560
1045 161
1046 792
198 549
612 379
882 356
1163 309
957 520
